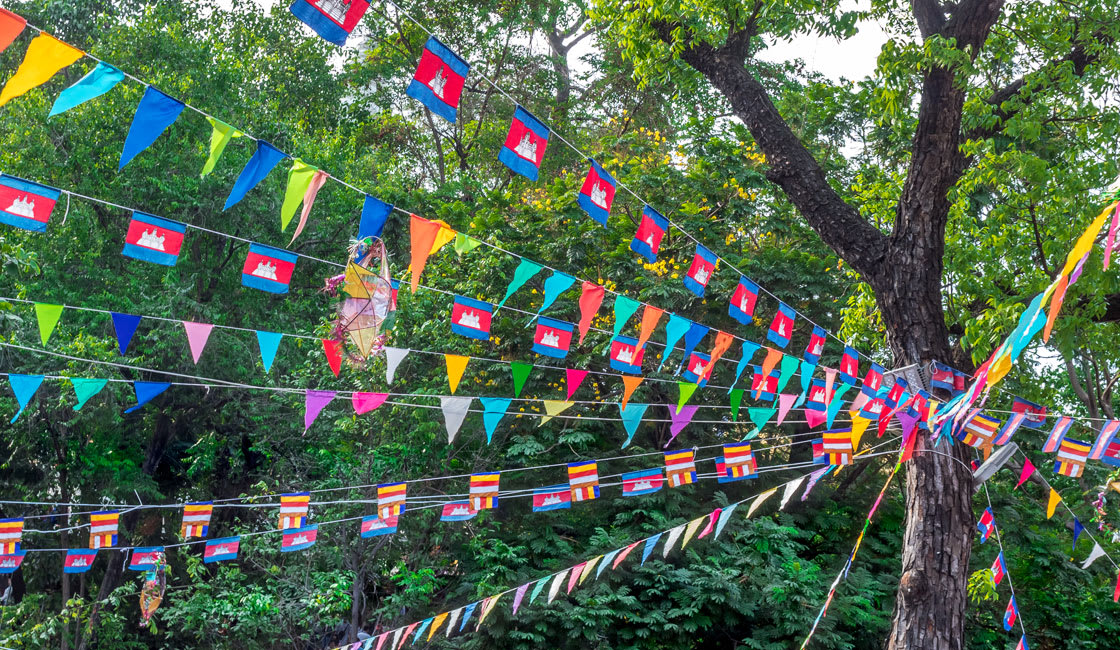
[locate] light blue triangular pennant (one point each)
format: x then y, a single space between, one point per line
85 389
674 330
268 343
493 410
631 418
98 82
807 370
749 348
648 548
24 386
837 402
724 515
556 284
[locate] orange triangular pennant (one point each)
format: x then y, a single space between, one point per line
650 317
423 235
629 383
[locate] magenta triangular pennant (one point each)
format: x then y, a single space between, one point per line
314 402
366 402
197 335
785 403
575 378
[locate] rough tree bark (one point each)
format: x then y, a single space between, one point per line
904 269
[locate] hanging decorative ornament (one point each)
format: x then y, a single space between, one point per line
369 304
155 585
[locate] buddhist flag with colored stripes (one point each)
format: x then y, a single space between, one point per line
1072 455
680 467
980 430
739 461
293 509
583 480
11 534
103 529
391 499
196 519
484 490
837 445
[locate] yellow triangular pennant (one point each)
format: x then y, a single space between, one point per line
1055 499
455 366
859 425
587 568
554 407
444 237
693 526
438 621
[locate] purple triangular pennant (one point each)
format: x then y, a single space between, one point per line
313 404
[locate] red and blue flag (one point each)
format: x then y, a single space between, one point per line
651 230
268 269
872 381
1036 413
9 562
1057 434
1104 439
471 318
942 377
1009 429
78 560
26 205
144 558
374 526
221 549
986 524
700 271
999 569
525 144
553 497
815 349
458 511
743 300
819 456
553 338
646 481
1112 454
764 388
597 194
696 367
781 328
849 366
297 539
1022 643
625 355
895 394
815 400
1011 615
333 20
439 79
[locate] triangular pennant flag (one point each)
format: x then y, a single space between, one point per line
693 526
464 244
268 342
685 390
313 403
650 317
366 402
99 81
771 361
445 235
435 626
696 332
422 233
317 182
493 410
556 284
807 370
631 418
587 568
589 301
859 425
1093 555
647 550
197 336
45 56
11 26
723 517
25 387
537 589
736 401
85 389
674 535
758 501
520 371
680 420
487 608
519 596
555 586
622 556
1052 503
629 383
456 364
154 114
836 403
785 403
554 407
146 391
574 378
1078 528
454 412
719 348
789 491
264 159
525 270
393 358
1028 471
624 308
608 559
1116 590
299 179
713 516
47 316
124 325
573 577
333 351
219 138
759 417
674 331
789 368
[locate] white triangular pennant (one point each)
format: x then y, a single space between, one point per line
555 586
758 501
674 535
1093 555
454 412
393 358
791 488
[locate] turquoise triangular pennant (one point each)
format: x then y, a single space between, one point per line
85 389
24 386
493 410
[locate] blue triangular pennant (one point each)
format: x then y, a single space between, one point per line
268 343
631 418
264 159
125 326
648 548
145 391
493 410
154 114
24 386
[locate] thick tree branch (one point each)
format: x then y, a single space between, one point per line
929 15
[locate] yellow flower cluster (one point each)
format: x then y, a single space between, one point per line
659 268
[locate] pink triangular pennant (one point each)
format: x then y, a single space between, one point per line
829 380
1028 471
313 404
680 419
815 418
317 181
575 378
197 335
712 518
572 579
785 403
366 402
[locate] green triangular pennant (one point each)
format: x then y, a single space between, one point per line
218 141
736 400
687 388
624 308
299 179
759 417
85 389
520 372
464 244
525 270
789 367
48 316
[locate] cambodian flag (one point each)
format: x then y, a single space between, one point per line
374 526
815 348
849 366
154 239
143 558
222 549
646 481
697 364
647 241
26 205
1057 434
1009 429
1104 439
78 560
941 377
763 388
986 525
872 408
331 19
553 497
960 381
999 569
471 318
742 301
458 511
268 269
816 401
1011 615
1022 643
819 457
872 381
553 337
1036 413
701 270
1112 454
781 328
625 355
438 82
9 562
297 539
597 193
525 144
